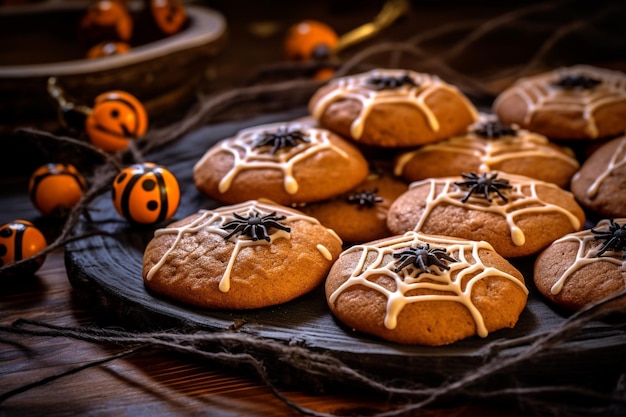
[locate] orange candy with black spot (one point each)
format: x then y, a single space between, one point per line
169 15
55 189
146 193
20 239
117 118
309 40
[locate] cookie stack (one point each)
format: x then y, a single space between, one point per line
406 201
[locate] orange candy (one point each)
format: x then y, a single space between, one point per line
169 15
20 239
107 19
56 188
146 193
309 40
116 119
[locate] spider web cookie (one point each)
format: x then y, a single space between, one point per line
479 207
584 267
391 86
581 90
218 244
491 145
313 163
420 269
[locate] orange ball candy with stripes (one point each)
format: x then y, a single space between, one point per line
20 239
117 118
146 193
55 189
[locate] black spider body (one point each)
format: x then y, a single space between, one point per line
614 238
484 184
386 82
494 130
422 257
365 198
280 139
579 81
255 226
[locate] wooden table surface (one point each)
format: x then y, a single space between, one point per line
158 383
147 384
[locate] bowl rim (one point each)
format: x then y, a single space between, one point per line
206 25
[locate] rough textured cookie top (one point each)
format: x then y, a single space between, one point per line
251 246
423 268
384 86
600 183
311 163
580 90
258 147
582 268
505 198
604 243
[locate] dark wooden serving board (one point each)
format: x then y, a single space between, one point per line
106 272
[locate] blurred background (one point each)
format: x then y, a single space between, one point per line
480 46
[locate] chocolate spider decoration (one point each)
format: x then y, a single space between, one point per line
422 257
494 130
365 198
280 139
389 82
577 81
614 238
484 185
255 226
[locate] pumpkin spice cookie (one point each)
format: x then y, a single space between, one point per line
490 145
578 102
518 215
427 290
392 108
600 184
250 255
360 215
583 268
289 163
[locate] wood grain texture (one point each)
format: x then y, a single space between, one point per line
150 384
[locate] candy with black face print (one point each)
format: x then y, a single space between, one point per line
117 118
20 239
146 193
54 189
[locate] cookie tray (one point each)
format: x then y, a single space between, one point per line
106 273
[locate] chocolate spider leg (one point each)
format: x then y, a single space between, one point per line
422 265
506 200
439 263
486 192
607 245
265 233
277 145
272 223
237 229
405 260
469 193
